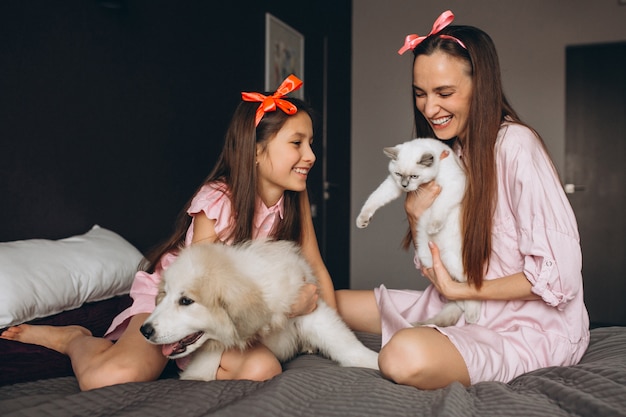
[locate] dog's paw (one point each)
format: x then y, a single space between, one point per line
365 359
196 376
204 363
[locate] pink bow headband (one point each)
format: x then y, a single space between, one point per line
269 103
412 41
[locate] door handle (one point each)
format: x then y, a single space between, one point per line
572 188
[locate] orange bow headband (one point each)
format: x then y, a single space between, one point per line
269 103
411 41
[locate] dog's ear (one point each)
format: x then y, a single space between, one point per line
160 296
244 304
161 292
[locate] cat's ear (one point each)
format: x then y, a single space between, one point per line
444 154
427 160
391 152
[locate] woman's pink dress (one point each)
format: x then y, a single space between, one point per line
534 231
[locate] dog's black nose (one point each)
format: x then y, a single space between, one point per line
147 330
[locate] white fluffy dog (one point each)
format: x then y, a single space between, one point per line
215 297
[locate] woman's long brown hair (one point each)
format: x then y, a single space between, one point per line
489 108
235 168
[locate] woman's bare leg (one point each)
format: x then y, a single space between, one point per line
359 310
424 358
98 362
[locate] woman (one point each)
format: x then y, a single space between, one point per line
521 250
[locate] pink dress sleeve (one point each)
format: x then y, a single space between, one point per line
547 232
213 200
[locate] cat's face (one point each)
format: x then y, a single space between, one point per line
411 166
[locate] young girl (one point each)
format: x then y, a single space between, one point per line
521 249
257 189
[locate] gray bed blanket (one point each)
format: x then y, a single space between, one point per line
313 386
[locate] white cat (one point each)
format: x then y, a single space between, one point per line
413 163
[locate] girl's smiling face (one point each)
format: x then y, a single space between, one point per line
442 85
284 163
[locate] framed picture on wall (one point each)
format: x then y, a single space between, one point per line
284 54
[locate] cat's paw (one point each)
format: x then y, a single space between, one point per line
363 220
448 316
472 311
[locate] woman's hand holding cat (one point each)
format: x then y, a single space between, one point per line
441 279
511 287
417 202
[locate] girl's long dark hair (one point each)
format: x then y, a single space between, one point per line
489 108
236 170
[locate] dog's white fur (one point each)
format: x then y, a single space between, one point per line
232 296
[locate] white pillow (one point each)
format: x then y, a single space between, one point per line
40 277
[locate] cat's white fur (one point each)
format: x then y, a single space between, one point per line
417 162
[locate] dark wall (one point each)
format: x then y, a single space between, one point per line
112 112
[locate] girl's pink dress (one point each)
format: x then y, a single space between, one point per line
213 201
534 231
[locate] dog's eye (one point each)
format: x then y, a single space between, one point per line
184 301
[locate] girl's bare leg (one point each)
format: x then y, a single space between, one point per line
359 310
52 337
424 358
98 362
257 363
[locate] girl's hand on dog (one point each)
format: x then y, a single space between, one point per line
307 301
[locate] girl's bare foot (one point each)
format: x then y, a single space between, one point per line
53 337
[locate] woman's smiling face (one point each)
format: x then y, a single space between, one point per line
442 85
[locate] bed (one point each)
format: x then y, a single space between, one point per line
35 381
